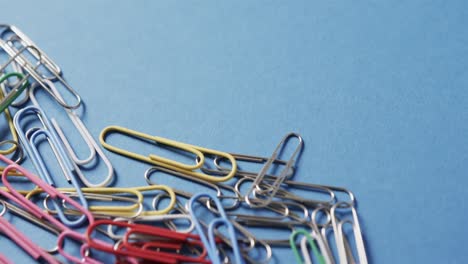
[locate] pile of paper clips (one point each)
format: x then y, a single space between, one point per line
155 223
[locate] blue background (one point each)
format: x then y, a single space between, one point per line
378 90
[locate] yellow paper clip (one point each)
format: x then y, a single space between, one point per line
110 194
13 141
188 169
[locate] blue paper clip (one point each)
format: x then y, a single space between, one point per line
29 138
222 220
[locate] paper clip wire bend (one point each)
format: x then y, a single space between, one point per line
168 163
29 138
310 239
222 220
93 147
16 54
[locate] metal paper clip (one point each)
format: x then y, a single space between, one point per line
93 147
26 41
283 194
188 169
272 188
215 186
345 255
319 234
32 68
249 158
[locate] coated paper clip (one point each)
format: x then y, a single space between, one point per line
15 196
5 260
29 141
188 169
310 240
23 241
140 249
209 240
93 147
8 99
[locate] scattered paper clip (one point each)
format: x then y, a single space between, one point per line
199 152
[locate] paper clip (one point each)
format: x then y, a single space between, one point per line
26 41
29 140
215 186
338 225
133 250
199 152
23 241
309 238
99 194
18 150
272 188
152 219
285 194
17 90
19 199
249 158
32 68
319 230
14 136
33 219
251 242
30 206
93 147
5 260
9 85
209 239
110 194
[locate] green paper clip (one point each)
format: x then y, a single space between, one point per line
16 91
292 243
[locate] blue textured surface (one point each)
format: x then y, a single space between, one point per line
378 91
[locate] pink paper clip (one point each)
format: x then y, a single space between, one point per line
23 241
4 260
15 196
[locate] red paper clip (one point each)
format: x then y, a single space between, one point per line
139 250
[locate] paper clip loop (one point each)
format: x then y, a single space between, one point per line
210 241
19 199
26 41
269 190
310 240
93 147
8 99
29 139
199 152
132 250
23 241
42 60
340 237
